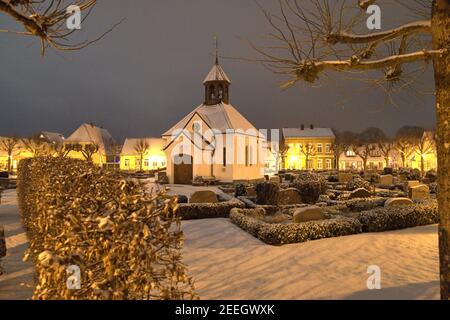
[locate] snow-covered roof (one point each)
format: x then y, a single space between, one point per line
220 117
52 137
217 74
88 133
308 133
155 145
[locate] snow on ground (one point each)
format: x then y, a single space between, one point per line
228 263
17 282
178 189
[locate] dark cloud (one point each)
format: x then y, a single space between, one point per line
147 74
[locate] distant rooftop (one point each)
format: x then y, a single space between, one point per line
307 132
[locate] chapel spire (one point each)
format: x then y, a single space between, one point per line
217 83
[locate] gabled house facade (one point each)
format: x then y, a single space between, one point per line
143 154
89 134
308 148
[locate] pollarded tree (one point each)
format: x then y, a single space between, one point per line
141 149
9 145
47 20
311 38
405 140
343 143
423 147
37 147
386 146
367 143
308 151
89 150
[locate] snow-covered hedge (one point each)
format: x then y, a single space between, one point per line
395 218
359 204
191 211
279 234
123 240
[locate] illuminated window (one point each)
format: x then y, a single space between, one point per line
319 148
328 163
350 153
320 164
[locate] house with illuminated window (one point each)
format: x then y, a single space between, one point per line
143 154
89 134
308 148
19 152
350 160
424 151
214 140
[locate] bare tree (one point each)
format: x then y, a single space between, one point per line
88 151
386 146
342 144
423 146
313 38
46 20
367 142
405 140
141 148
36 147
281 156
9 145
308 151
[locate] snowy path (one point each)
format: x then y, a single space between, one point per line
227 263
17 282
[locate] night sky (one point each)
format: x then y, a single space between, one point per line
147 74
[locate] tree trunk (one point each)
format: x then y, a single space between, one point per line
9 162
441 39
338 158
422 165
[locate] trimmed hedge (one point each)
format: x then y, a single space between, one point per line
279 234
192 211
120 238
395 218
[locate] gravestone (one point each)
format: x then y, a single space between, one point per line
421 192
360 193
311 213
396 202
204 196
387 180
289 196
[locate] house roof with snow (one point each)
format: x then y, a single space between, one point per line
89 133
216 74
308 133
51 137
155 145
222 117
